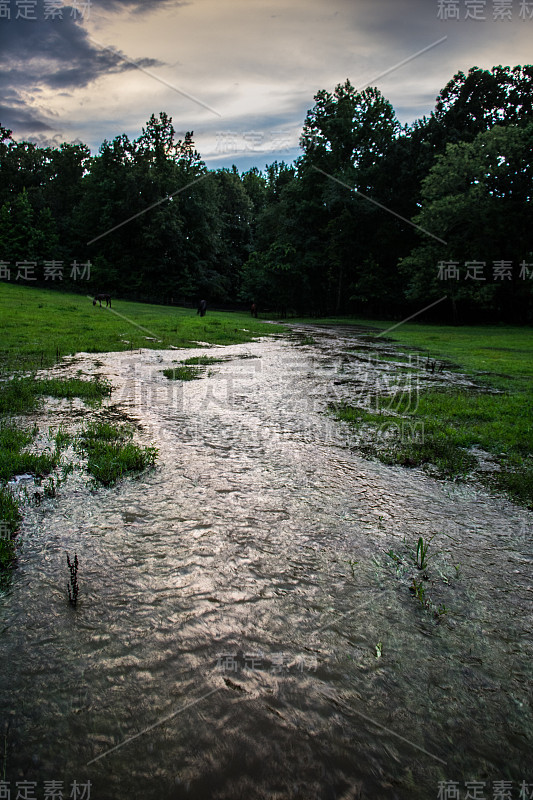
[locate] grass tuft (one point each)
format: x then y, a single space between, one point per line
9 511
111 454
14 460
23 395
185 373
444 428
202 360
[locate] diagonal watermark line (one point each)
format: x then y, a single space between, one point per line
398 736
155 725
364 716
329 624
149 208
132 322
401 63
412 316
154 76
380 205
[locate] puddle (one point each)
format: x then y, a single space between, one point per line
240 630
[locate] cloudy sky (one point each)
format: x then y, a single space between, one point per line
241 74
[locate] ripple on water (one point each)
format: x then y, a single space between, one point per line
242 592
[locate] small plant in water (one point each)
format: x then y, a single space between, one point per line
379 649
306 340
72 585
184 373
419 591
400 566
66 469
395 557
352 564
50 488
421 553
4 755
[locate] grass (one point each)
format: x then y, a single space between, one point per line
9 511
419 591
10 517
437 579
497 355
22 395
15 459
422 547
191 369
184 373
202 360
8 557
39 326
455 420
111 453
17 462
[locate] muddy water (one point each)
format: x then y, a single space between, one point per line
241 632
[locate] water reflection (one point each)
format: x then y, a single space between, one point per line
241 630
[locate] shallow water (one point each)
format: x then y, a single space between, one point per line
222 643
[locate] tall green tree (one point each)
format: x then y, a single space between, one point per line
18 235
347 135
477 198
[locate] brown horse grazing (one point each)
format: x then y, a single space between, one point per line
202 307
100 297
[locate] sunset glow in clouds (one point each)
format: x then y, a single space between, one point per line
240 74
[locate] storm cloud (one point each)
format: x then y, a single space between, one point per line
256 63
54 53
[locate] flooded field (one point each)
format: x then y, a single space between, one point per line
250 621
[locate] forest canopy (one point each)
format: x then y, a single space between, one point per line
374 218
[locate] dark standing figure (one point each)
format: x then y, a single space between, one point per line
254 310
100 297
202 306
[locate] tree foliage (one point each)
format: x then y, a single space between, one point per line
350 227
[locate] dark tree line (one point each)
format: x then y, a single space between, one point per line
374 218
